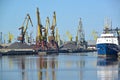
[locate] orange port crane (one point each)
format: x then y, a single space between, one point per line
24 29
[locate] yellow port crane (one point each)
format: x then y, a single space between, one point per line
69 35
53 25
24 29
77 37
46 28
95 34
39 36
10 37
27 37
57 35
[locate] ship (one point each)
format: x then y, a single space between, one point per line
107 44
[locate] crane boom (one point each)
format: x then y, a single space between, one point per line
47 24
53 25
10 37
46 29
81 35
28 19
54 19
39 36
69 35
24 29
95 34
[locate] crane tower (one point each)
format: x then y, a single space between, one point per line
24 28
80 33
81 36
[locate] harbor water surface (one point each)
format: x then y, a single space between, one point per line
68 66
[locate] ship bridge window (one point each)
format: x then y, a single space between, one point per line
108 37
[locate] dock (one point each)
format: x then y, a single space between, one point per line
17 51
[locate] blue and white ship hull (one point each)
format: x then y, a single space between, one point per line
107 50
107 45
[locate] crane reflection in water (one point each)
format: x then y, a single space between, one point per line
67 67
46 68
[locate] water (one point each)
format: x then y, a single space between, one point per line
76 66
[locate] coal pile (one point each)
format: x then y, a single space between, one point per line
19 45
72 45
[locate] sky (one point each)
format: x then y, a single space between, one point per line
68 13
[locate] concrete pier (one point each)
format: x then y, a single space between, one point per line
16 51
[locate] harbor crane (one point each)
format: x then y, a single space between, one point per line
42 34
46 29
57 36
76 37
24 28
10 37
94 34
81 35
69 35
53 25
39 36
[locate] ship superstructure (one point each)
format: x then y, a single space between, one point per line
107 43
